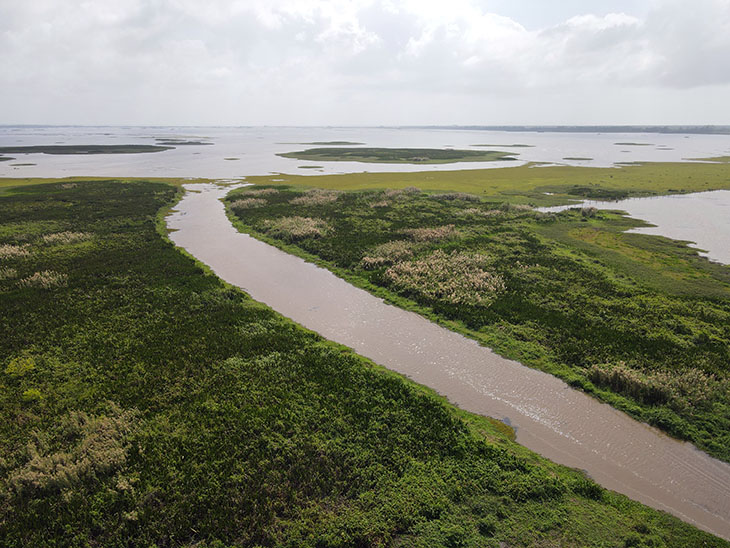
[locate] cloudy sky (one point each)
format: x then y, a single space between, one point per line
364 62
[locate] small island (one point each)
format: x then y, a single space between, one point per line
399 155
84 149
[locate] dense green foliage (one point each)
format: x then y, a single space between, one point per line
398 155
642 322
144 403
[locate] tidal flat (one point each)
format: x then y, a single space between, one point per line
143 400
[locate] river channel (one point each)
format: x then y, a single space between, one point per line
561 423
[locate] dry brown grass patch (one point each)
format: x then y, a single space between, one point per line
9 251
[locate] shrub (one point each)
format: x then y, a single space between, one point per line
9 251
66 237
100 449
296 228
387 253
248 203
8 273
45 280
456 278
259 192
450 196
433 234
627 381
316 196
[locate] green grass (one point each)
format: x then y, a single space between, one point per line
143 402
528 184
398 155
642 322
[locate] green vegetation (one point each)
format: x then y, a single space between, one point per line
398 155
84 149
6 158
641 322
529 184
145 403
635 144
577 158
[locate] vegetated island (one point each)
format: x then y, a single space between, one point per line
506 146
573 286
398 155
84 149
180 142
311 167
577 158
635 144
144 400
6 158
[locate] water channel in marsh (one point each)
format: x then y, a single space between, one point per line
551 418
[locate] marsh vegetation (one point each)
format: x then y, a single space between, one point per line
398 155
641 322
144 402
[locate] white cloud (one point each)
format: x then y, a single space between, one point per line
353 61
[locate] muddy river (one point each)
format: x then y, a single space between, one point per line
551 418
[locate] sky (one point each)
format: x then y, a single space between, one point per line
364 62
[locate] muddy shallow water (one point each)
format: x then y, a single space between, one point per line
561 423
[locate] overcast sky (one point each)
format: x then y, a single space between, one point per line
364 62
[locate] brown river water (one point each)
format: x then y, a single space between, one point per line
551 418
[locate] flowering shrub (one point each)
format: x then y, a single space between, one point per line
259 192
8 251
316 196
66 237
247 203
432 234
381 203
456 278
449 196
479 212
8 273
387 253
45 280
296 228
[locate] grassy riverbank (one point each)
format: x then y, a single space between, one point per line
146 403
641 322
